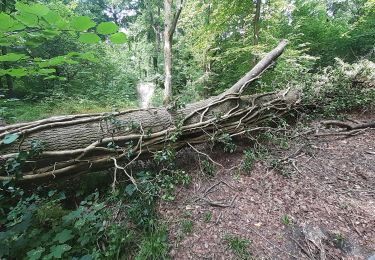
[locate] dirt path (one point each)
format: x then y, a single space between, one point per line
319 203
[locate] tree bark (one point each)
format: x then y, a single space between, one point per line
256 27
8 78
169 29
80 143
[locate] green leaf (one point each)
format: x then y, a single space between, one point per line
39 9
52 17
52 62
5 22
17 72
17 26
50 77
62 24
88 56
82 23
118 38
130 189
10 138
36 9
64 236
13 57
35 253
86 257
27 19
89 38
46 71
50 33
106 28
58 251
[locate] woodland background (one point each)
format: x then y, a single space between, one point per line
53 62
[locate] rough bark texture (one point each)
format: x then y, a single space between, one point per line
169 29
4 51
80 143
256 26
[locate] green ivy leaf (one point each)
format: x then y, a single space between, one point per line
10 138
64 236
118 38
106 28
89 38
58 251
5 22
35 254
13 57
82 23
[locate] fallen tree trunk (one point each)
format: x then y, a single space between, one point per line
71 145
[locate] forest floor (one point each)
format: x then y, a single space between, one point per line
316 202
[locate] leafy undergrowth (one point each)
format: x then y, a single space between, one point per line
105 224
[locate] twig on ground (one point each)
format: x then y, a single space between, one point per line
304 250
348 126
347 133
219 218
221 204
295 167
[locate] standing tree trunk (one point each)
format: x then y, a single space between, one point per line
9 80
206 60
256 28
169 29
155 24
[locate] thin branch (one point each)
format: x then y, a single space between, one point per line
214 162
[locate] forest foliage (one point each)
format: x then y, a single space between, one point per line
78 56
62 50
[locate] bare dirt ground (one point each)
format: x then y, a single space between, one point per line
318 202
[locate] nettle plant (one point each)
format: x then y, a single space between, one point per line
32 25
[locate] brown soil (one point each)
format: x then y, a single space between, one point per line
319 203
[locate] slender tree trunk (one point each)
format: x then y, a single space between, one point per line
1 83
207 62
155 23
256 27
8 78
167 51
169 29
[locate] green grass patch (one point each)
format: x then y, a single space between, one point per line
13 111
